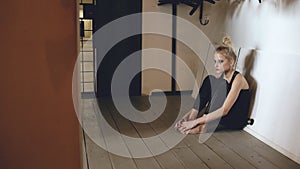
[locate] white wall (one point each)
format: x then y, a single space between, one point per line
272 27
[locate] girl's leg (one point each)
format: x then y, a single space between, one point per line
213 91
204 95
217 101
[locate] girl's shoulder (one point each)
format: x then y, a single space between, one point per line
239 78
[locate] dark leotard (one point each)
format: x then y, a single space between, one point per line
212 95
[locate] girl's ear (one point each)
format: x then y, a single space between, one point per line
232 63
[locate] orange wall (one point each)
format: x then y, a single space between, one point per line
38 124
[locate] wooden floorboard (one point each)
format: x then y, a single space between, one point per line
168 160
247 153
137 147
227 154
209 157
98 158
188 158
157 126
84 155
116 143
224 150
147 163
119 162
264 150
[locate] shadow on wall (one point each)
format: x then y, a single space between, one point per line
282 4
248 66
234 6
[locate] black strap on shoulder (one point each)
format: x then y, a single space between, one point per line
233 77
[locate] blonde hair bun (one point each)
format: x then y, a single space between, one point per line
227 41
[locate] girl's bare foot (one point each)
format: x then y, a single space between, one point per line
197 130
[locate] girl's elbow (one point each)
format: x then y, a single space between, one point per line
225 111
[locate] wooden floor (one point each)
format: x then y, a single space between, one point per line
223 150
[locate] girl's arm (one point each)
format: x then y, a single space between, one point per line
232 96
222 111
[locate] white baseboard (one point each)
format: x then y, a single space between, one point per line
273 145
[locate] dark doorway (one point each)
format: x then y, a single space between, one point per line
104 12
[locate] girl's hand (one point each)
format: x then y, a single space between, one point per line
186 125
193 126
178 124
191 115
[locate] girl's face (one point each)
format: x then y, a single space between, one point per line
222 64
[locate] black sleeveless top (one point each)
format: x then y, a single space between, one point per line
238 114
